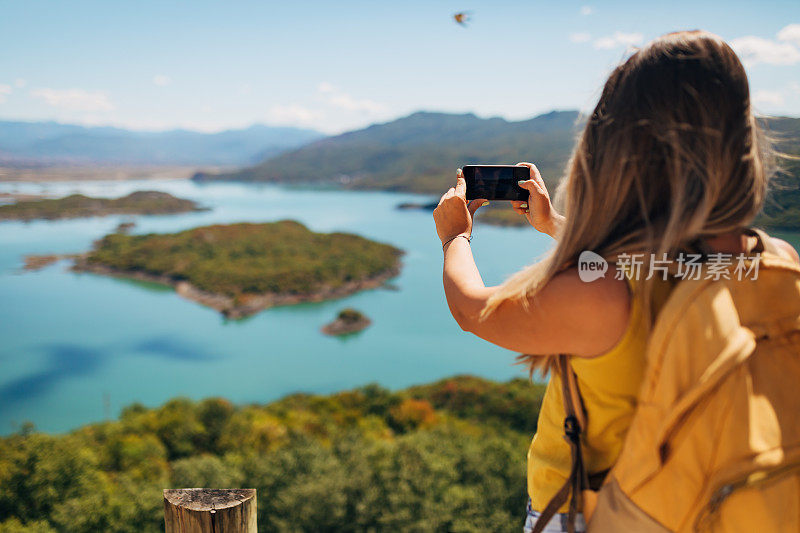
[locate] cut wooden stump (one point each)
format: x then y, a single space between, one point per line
210 510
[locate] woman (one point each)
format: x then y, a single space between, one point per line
670 159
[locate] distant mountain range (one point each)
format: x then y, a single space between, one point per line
416 153
419 152
54 143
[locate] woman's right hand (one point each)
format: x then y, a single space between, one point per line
538 209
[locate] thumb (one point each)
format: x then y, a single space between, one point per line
474 205
528 185
461 185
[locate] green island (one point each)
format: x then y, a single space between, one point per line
78 206
240 269
447 456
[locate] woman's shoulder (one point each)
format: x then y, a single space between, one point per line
598 289
786 248
599 307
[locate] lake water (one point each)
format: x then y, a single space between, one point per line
76 348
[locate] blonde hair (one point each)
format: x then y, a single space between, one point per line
672 152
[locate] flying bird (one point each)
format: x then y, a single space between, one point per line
462 18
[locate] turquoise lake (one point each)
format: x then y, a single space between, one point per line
78 347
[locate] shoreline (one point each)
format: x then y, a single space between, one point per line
110 172
249 304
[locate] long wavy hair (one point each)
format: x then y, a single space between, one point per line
671 153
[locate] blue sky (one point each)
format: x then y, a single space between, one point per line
336 66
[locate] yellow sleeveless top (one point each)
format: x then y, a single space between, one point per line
609 385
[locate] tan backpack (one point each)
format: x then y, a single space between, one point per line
714 444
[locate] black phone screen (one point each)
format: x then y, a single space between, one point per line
495 182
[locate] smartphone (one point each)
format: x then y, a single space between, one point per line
496 182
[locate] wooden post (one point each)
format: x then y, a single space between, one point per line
210 510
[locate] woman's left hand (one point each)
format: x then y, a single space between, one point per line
453 216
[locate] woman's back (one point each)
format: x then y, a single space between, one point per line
671 158
609 386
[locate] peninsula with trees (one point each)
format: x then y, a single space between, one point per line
241 269
80 206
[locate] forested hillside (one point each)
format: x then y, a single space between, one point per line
782 208
420 152
449 456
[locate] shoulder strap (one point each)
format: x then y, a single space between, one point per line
578 479
765 243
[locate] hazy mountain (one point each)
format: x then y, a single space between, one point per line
51 142
419 152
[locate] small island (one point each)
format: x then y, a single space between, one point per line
79 206
347 321
426 206
241 269
501 214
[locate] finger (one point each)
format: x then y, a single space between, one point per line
530 166
445 196
474 205
516 204
461 187
519 207
535 174
534 171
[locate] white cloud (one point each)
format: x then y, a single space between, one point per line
75 99
768 98
754 50
5 90
790 33
580 37
292 114
245 88
345 101
619 39
19 83
326 87
342 100
587 10
161 80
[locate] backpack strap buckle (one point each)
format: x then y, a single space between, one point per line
572 429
